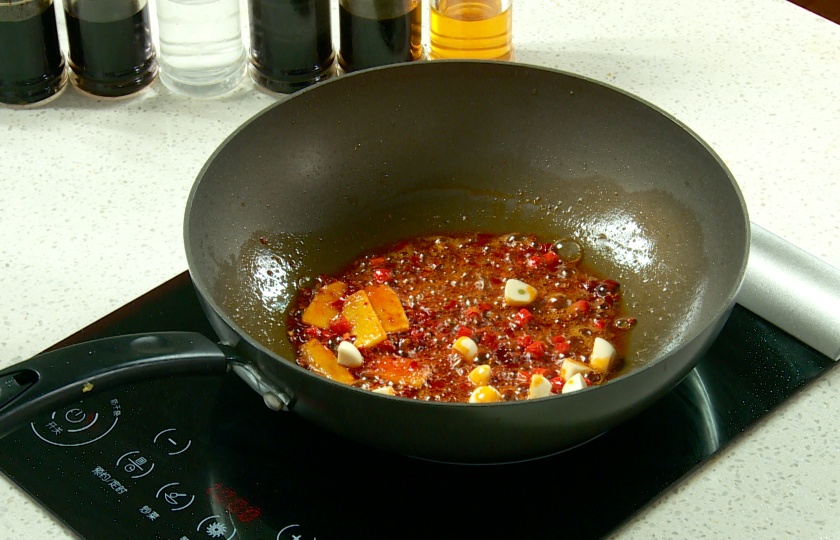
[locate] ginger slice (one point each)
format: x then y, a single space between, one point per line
322 360
365 325
388 308
323 308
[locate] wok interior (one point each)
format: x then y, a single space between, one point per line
381 155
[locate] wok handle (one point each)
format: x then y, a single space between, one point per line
54 378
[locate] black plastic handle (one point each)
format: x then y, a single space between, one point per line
51 379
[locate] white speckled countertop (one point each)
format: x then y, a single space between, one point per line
93 193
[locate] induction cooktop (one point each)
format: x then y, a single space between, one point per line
201 457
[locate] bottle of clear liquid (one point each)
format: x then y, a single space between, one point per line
201 48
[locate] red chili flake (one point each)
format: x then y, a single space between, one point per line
484 306
547 247
386 346
523 317
523 377
382 275
536 350
464 331
313 332
263 240
489 340
581 306
540 370
534 261
557 384
338 304
472 313
524 341
551 259
377 261
340 325
452 304
600 324
561 344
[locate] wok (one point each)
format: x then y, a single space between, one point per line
373 157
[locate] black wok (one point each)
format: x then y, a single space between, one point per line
376 156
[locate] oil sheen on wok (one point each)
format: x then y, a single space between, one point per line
466 317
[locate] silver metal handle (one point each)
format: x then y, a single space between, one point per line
794 290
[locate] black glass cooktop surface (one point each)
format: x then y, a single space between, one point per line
203 458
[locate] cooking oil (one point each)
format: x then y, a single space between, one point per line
476 29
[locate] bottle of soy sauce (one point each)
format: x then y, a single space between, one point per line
291 43
379 32
111 49
31 63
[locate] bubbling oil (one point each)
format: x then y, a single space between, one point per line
474 29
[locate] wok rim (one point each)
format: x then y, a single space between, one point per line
720 314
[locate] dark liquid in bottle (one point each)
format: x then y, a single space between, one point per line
291 43
31 64
111 57
368 41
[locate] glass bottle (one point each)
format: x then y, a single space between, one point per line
291 43
111 49
201 49
379 32
31 63
475 29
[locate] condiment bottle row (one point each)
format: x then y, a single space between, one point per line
202 53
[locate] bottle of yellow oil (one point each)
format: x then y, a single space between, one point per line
477 29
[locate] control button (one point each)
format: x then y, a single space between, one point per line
135 464
78 425
291 532
174 497
172 442
216 526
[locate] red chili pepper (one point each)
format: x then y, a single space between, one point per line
313 332
551 259
581 306
523 377
489 340
561 344
557 384
523 317
464 331
340 325
386 346
473 313
534 261
524 341
536 350
600 324
382 275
